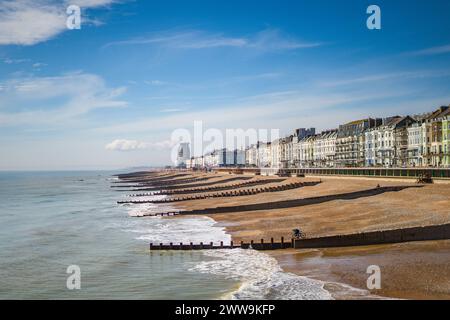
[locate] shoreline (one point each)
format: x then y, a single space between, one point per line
411 270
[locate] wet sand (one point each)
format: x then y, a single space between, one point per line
413 270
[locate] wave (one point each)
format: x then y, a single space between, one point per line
261 276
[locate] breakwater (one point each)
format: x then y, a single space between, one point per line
423 233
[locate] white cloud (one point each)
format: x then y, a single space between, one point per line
38 65
126 145
169 110
28 22
419 74
15 61
431 51
155 82
29 100
267 40
131 145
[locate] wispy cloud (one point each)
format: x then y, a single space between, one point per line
287 109
431 51
387 76
28 22
170 110
155 82
30 101
15 61
270 39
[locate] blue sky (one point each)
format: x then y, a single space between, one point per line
109 95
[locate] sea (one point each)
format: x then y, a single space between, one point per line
51 222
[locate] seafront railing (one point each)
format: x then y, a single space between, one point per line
373 172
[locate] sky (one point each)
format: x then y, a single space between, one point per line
110 95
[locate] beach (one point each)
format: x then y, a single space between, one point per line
411 270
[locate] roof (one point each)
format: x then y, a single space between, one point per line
438 113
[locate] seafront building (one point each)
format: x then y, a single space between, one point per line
350 142
394 142
414 150
446 140
387 144
324 149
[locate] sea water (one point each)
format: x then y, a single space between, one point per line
52 220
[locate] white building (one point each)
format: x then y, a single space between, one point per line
415 145
184 154
264 154
275 154
324 148
387 144
251 156
306 152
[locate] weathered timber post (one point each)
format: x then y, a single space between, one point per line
211 244
221 244
201 245
231 244
171 246
292 243
242 244
191 245
282 242
151 246
271 243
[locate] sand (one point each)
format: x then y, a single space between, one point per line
415 270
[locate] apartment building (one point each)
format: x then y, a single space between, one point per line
350 142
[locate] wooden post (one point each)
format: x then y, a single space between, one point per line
231 244
171 246
271 243
292 243
221 244
181 245
211 244
242 244
201 245
282 242
151 246
191 245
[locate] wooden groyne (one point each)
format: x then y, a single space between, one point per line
423 233
149 177
261 245
162 183
288 203
235 193
184 186
211 188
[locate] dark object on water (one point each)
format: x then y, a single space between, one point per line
81 180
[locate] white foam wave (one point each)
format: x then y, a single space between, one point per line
261 276
176 230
